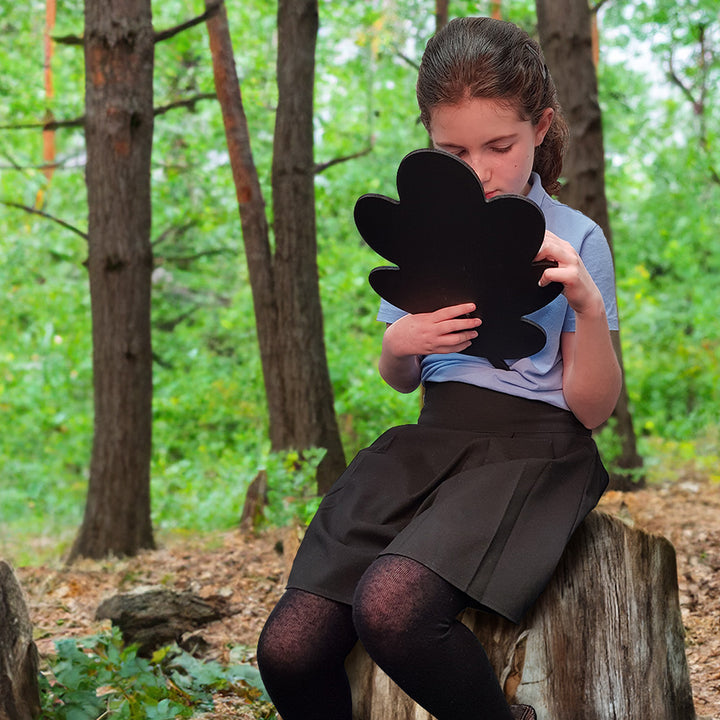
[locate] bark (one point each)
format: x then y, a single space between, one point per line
309 414
285 282
442 13
565 29
119 56
48 134
605 640
19 692
159 616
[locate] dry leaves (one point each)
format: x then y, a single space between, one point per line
250 571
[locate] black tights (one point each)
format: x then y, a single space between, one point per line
405 616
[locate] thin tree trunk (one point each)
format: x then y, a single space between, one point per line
565 30
308 395
285 284
119 57
442 12
251 204
49 134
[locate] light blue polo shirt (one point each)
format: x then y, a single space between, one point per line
538 377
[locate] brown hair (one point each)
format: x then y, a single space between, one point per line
479 57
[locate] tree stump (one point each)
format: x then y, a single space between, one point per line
605 640
19 691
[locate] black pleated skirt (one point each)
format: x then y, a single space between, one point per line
485 490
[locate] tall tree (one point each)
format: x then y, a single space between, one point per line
565 30
284 280
119 58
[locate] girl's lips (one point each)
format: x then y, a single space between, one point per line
491 194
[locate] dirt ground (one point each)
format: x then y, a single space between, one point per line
248 570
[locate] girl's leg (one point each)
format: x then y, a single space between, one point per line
405 616
301 655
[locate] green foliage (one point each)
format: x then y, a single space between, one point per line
662 183
291 486
98 677
210 419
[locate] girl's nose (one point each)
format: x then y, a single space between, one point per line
481 170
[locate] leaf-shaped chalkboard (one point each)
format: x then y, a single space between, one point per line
451 246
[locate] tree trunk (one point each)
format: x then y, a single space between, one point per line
119 56
442 13
605 640
19 692
565 30
308 413
285 283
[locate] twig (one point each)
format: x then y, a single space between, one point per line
80 121
51 125
412 63
211 11
674 78
159 36
197 255
596 7
69 40
173 230
321 167
47 216
188 103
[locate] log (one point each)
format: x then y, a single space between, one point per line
19 691
605 640
159 616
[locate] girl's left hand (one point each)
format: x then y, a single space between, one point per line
579 288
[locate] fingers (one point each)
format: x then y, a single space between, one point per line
446 330
453 311
555 248
578 286
455 329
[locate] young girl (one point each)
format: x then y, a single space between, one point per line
473 505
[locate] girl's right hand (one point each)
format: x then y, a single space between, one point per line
447 330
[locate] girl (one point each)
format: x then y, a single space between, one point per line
474 504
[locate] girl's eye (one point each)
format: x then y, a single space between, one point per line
502 149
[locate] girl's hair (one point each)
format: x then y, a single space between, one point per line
479 57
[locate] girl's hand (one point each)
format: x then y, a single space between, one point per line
580 290
442 331
410 337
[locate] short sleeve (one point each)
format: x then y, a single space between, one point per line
597 258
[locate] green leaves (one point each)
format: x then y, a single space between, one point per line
99 677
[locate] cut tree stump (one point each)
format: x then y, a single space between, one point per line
605 640
19 691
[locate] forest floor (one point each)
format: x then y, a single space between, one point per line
249 571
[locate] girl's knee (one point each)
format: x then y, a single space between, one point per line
380 615
274 653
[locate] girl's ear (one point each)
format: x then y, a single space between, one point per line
543 125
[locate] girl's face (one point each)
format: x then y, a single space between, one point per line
490 137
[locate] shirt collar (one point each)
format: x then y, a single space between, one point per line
537 192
